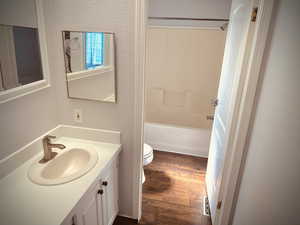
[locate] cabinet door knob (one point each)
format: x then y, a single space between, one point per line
104 183
100 192
74 220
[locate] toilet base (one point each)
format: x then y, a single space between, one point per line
143 176
148 157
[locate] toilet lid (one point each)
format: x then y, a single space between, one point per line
148 150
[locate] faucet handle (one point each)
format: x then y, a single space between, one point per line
50 136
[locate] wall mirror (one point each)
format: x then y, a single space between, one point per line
23 55
90 65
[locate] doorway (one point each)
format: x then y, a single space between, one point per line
182 71
240 97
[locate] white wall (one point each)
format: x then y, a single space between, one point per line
26 118
98 86
218 9
190 8
269 193
105 15
18 13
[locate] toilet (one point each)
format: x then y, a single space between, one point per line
148 157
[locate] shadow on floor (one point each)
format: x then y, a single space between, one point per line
156 181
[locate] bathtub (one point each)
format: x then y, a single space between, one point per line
183 140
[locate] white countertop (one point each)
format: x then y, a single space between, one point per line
25 203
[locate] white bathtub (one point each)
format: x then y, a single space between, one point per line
183 140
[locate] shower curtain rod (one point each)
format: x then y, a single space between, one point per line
184 18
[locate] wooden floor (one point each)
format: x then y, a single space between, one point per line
173 192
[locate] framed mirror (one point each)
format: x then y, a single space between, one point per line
23 55
90 65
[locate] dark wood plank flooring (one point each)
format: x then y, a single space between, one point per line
173 192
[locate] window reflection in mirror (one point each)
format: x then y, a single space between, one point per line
89 65
20 58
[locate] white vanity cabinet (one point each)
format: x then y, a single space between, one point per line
110 196
99 205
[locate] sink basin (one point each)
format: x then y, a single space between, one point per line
68 165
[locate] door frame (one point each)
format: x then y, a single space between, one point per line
140 20
235 158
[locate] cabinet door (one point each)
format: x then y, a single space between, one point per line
110 196
91 207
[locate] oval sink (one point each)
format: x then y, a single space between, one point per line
65 167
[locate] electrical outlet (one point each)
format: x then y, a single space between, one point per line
78 115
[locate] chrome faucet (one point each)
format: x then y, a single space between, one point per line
47 145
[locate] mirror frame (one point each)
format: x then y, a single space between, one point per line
114 64
17 92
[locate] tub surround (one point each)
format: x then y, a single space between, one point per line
182 73
182 140
23 202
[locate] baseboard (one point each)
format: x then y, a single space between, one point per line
111 222
123 218
180 150
126 216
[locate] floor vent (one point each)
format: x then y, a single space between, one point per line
206 210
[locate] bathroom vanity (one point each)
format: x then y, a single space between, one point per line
99 204
91 199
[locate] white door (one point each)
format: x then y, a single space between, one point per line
92 207
240 19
